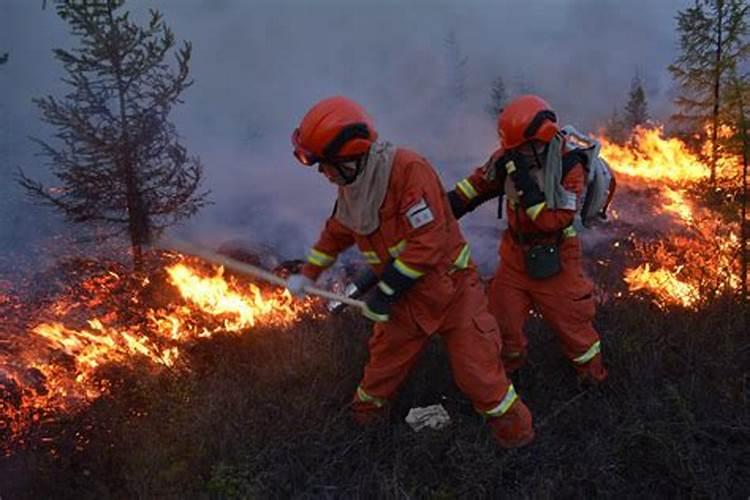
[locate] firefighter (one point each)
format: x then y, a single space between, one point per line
540 253
392 205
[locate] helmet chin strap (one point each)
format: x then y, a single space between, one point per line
346 174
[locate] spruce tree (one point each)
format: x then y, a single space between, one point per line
457 67
739 145
498 96
615 129
117 156
713 38
636 109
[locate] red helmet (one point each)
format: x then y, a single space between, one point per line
336 129
526 118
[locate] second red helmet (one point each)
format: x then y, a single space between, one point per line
526 118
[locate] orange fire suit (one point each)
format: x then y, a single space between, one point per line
446 299
564 300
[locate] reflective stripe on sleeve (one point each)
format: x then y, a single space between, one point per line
467 189
385 288
371 257
407 271
396 249
569 232
535 210
320 259
463 259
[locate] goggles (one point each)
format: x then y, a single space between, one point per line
537 122
304 157
532 148
330 153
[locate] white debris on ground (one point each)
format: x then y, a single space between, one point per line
434 417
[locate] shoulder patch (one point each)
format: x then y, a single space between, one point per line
419 214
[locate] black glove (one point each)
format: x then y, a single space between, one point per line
378 306
519 171
392 285
458 207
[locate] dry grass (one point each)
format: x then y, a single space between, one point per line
264 415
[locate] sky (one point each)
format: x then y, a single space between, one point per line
259 65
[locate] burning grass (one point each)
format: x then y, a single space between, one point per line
185 381
696 255
259 408
264 415
54 347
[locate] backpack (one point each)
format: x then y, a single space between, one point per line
600 181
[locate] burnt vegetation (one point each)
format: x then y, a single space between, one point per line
264 414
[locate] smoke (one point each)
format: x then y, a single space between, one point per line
258 66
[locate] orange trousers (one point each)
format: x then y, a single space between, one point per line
565 301
473 343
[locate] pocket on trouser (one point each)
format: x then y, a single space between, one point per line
583 307
473 346
475 361
486 326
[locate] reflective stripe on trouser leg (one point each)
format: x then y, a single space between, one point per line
569 309
504 405
588 355
363 397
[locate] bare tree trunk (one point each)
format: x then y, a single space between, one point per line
744 229
137 220
717 95
745 235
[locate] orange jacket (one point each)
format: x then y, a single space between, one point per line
429 252
532 221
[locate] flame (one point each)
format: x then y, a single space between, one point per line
696 258
726 165
54 366
650 156
664 284
214 296
678 205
